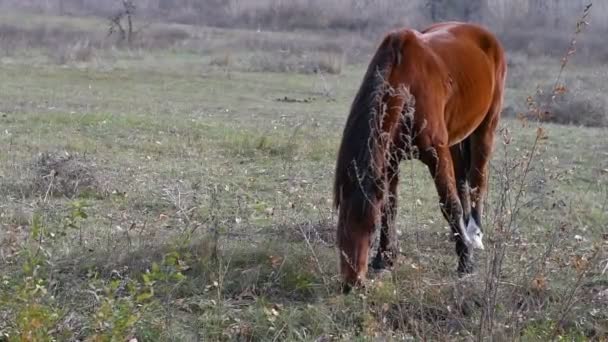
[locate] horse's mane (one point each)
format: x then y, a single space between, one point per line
355 176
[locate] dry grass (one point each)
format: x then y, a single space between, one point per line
523 27
323 62
66 44
210 215
577 108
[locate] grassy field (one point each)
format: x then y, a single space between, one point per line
184 194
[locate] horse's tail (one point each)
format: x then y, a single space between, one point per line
356 177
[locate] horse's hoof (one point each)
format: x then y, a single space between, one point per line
380 264
346 288
465 270
382 274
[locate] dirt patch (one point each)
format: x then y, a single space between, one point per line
294 100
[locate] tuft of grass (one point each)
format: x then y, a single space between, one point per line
64 174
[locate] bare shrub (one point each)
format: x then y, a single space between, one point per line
40 36
270 63
514 182
576 101
331 63
160 37
323 62
222 60
293 14
122 25
169 34
576 108
183 15
542 41
270 42
81 51
116 25
65 44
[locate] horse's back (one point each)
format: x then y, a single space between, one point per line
457 33
474 65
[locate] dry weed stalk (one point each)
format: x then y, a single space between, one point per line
507 212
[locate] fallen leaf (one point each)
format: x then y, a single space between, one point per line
539 283
275 261
579 263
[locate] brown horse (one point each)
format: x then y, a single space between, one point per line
434 95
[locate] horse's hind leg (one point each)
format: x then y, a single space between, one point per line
439 161
482 141
461 157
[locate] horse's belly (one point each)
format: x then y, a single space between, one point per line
463 123
470 102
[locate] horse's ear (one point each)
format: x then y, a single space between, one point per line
396 45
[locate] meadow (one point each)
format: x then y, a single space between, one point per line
180 190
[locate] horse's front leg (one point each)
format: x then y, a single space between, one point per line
439 161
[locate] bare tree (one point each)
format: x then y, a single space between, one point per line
116 22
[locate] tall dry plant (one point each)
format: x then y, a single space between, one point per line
125 34
513 177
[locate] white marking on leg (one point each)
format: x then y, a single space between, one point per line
474 235
462 232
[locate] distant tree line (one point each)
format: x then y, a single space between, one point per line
342 14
